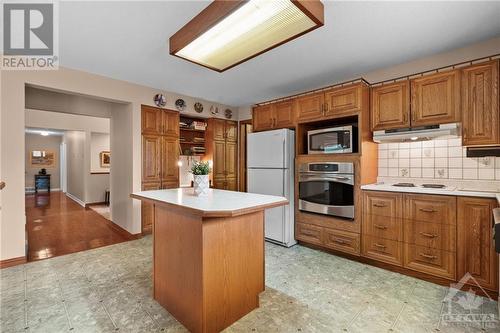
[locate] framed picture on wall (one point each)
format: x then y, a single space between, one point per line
43 158
105 158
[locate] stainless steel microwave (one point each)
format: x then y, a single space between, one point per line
333 140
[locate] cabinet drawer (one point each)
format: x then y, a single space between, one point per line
341 240
383 227
385 250
309 233
383 204
430 208
433 235
431 261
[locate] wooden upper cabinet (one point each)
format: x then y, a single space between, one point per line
284 114
169 158
310 107
480 110
390 106
436 99
231 159
170 123
343 100
263 117
219 129
475 251
151 164
231 129
151 122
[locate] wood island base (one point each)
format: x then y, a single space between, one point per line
208 272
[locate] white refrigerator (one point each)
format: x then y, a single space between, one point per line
270 170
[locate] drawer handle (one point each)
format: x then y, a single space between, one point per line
428 235
428 256
339 241
428 210
305 233
379 245
378 226
379 205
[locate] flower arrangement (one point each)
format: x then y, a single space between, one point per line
200 168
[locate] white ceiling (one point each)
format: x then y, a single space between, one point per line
129 41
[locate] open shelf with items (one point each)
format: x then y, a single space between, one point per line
192 138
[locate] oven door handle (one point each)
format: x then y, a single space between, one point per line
339 179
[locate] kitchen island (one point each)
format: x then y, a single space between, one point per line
208 254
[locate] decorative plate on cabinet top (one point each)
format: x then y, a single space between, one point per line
228 113
160 100
180 104
214 110
198 107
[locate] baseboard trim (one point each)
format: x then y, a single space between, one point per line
122 231
12 262
95 204
78 201
32 190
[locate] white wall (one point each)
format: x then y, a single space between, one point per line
75 157
471 52
38 142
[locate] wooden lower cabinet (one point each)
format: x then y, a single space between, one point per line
309 233
431 261
343 241
475 251
384 250
339 240
148 209
443 236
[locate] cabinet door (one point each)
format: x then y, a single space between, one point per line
391 106
475 251
219 183
263 118
343 100
231 159
231 131
310 107
151 120
343 241
309 233
219 160
480 110
148 209
170 120
151 164
430 208
381 249
284 114
231 184
436 99
219 129
169 159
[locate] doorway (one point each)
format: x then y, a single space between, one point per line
245 129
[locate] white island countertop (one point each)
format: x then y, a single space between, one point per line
218 203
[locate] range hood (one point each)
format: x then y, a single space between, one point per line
444 131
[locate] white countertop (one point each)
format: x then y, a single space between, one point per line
218 202
450 190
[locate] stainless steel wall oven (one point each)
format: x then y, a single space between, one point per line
327 188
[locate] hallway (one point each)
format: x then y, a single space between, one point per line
57 225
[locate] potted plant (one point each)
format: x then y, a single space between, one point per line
200 171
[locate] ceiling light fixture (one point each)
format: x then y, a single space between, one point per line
227 33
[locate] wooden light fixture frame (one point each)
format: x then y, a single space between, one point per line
220 9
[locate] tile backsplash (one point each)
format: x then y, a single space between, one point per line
438 159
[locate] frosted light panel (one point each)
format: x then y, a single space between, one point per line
252 28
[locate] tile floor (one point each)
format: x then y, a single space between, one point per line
109 289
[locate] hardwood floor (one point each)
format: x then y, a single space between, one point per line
57 225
